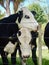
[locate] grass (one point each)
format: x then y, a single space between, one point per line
45 59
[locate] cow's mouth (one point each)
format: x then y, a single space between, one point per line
24 60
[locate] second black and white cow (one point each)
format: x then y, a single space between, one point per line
46 35
9 30
27 41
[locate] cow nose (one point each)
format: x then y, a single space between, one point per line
26 56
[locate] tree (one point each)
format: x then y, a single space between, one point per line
16 4
6 5
2 15
41 17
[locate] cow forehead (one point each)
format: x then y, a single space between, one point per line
25 36
27 12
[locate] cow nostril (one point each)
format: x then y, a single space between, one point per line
26 56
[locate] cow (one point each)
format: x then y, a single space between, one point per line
46 35
9 28
27 43
34 35
25 46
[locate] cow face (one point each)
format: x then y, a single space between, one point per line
24 38
28 20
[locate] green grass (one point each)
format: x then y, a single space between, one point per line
45 59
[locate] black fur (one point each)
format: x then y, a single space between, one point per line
46 35
8 28
33 42
33 12
20 16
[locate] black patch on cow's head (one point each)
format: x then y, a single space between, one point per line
19 33
33 12
20 16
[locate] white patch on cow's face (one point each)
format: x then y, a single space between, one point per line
28 20
9 48
25 39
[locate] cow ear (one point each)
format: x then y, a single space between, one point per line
34 13
20 12
20 16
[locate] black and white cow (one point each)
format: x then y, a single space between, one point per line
27 43
34 35
46 35
9 30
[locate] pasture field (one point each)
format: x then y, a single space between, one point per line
45 59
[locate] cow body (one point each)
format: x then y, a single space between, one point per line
46 35
8 28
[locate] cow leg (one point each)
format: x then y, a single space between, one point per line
34 57
4 58
19 52
13 57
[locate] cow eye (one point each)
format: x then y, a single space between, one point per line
19 33
27 17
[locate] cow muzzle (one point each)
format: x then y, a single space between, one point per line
27 56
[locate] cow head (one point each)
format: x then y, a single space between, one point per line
27 19
24 37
